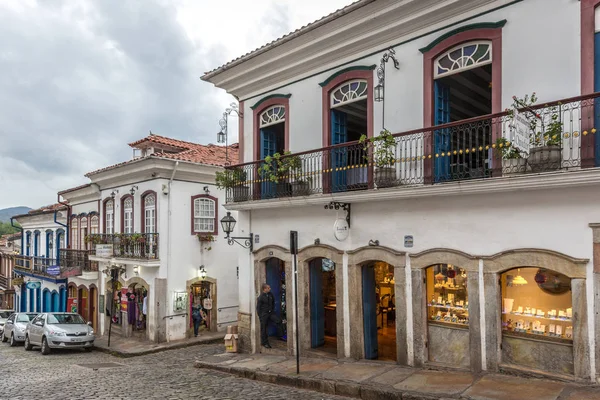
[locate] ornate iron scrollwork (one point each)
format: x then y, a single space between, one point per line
334 205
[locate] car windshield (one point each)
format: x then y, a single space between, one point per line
25 317
5 314
65 319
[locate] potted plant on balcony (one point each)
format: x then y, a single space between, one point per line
384 157
277 169
234 179
512 159
300 182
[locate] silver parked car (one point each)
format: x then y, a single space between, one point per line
59 331
4 314
14 328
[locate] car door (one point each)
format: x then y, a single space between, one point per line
37 326
9 325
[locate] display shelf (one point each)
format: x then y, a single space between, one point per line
537 337
448 307
446 324
535 316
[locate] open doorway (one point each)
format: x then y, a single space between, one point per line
323 316
462 90
348 115
200 296
275 273
379 311
137 303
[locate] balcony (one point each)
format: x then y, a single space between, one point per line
40 266
134 246
77 263
538 139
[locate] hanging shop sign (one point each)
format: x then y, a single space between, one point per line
53 270
408 241
104 250
33 285
341 229
519 131
18 281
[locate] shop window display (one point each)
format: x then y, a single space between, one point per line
537 302
447 295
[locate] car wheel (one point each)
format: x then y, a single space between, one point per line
4 338
28 345
88 349
45 347
13 342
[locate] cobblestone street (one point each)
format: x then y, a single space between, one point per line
166 375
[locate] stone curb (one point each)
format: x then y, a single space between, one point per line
341 388
128 354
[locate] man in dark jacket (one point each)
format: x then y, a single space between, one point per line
265 308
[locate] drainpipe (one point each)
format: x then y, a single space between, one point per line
22 234
169 233
68 219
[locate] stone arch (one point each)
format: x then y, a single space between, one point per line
261 256
430 257
311 252
541 258
378 253
213 312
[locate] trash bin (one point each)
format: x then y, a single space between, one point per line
231 339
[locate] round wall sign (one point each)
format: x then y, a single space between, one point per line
341 229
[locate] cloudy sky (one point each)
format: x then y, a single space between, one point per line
80 79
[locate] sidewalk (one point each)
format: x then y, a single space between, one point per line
372 380
128 347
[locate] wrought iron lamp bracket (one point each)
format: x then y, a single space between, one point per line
334 205
245 242
390 54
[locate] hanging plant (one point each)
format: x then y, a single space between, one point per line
204 237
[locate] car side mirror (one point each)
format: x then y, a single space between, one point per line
8 322
89 323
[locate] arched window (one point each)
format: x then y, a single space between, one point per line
83 231
94 225
74 233
28 244
150 213
272 115
128 215
204 214
349 92
109 217
462 58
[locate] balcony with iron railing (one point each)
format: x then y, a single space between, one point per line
76 262
142 246
531 139
41 266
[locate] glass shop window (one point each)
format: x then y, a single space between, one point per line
447 295
537 302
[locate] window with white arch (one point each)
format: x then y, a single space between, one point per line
94 225
74 233
109 217
349 92
83 232
128 215
272 115
204 215
462 58
150 213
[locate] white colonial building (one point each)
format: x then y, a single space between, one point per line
463 235
153 220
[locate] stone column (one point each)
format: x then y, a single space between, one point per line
419 317
474 321
581 348
493 331
357 334
596 286
401 314
157 310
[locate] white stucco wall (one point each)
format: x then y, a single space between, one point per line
543 57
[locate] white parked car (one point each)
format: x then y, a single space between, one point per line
14 327
59 331
4 314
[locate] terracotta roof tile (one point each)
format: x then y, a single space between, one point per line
287 37
191 152
52 207
75 188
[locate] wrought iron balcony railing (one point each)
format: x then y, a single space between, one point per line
76 261
541 138
38 265
133 245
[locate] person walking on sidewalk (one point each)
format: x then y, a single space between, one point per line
265 308
197 318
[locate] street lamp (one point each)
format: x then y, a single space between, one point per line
379 90
222 135
228 223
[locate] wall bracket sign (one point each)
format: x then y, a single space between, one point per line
334 205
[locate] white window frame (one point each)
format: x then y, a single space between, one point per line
207 217
128 215
351 96
150 213
461 68
109 216
268 117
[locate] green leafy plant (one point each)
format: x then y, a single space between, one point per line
384 148
507 150
281 167
550 133
230 178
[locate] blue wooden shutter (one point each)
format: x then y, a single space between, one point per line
317 307
268 147
339 134
370 313
442 137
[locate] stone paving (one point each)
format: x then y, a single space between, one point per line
74 374
373 380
